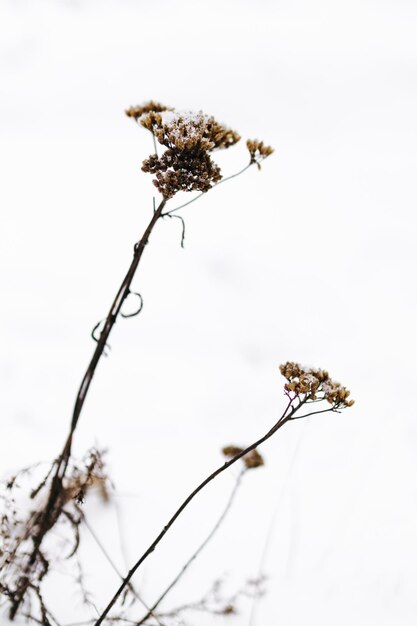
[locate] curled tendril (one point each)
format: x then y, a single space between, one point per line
182 224
139 309
96 337
95 329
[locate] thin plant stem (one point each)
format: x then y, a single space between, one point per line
49 513
116 569
199 549
270 533
285 417
299 417
223 180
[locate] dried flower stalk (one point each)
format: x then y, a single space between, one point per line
298 399
186 164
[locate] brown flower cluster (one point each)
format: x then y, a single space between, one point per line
188 131
251 460
186 164
182 171
316 384
258 151
137 111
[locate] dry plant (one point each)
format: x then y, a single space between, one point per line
30 532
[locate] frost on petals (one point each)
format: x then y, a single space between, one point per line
188 138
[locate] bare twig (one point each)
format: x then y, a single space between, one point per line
199 549
53 507
107 556
223 180
288 413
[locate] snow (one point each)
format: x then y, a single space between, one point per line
307 260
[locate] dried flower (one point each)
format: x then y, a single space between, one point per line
188 137
251 460
182 171
258 151
137 111
185 130
315 384
231 451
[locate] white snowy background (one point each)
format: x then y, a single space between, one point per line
312 259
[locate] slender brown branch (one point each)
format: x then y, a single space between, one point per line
52 509
116 569
198 551
115 309
299 417
282 420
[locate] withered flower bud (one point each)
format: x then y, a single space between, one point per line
258 151
137 111
251 460
231 451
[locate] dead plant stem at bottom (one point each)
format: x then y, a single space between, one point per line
287 415
53 507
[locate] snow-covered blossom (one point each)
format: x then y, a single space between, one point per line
314 384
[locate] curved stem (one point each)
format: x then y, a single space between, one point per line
115 308
51 510
116 569
223 180
288 413
197 552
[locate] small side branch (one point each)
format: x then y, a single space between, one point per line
288 413
223 180
198 551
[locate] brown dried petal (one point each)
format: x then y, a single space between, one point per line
136 112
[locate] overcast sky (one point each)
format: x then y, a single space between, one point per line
312 259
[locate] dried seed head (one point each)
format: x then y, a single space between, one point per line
137 111
315 384
185 130
251 460
231 451
182 171
188 137
258 151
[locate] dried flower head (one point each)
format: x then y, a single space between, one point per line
251 460
186 130
182 171
188 137
258 151
314 384
137 111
